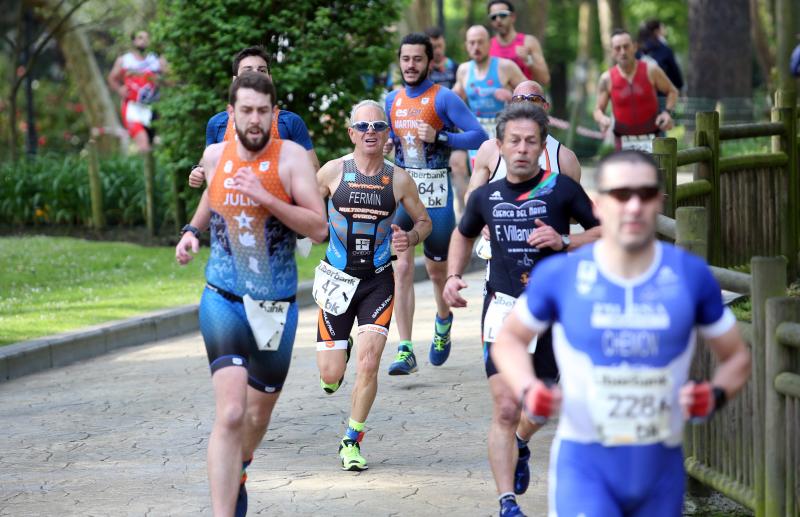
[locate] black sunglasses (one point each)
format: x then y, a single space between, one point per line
377 126
500 14
624 194
530 97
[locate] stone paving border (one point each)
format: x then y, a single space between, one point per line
26 357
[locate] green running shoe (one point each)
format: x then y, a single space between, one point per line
350 453
332 388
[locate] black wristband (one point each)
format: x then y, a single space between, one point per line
451 276
190 228
720 398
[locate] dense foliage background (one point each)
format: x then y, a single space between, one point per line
325 57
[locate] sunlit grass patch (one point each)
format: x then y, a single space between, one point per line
55 284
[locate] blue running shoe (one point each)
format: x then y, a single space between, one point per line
510 508
440 346
405 362
522 473
241 502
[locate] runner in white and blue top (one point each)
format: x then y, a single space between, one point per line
623 313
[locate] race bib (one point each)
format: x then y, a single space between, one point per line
489 125
631 406
138 113
432 186
303 247
642 143
483 249
499 308
267 320
333 289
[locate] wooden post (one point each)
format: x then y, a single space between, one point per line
665 152
778 360
707 134
768 281
178 183
786 112
691 229
785 11
95 186
149 193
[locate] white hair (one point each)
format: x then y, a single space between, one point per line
367 102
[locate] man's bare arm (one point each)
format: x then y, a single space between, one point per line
569 164
408 195
537 63
485 162
603 96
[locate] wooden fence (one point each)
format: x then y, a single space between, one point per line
750 452
753 201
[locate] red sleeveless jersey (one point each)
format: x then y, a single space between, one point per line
634 103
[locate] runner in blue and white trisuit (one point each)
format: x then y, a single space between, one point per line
424 118
528 215
624 314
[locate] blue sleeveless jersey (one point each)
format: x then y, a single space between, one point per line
480 92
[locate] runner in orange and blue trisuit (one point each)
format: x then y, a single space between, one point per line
424 118
261 193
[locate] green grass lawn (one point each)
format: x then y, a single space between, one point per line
55 284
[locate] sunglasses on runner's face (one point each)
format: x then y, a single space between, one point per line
531 97
624 194
377 126
500 14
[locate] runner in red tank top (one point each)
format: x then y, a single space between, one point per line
135 76
522 49
631 87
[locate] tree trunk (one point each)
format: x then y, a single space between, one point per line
532 17
419 15
720 59
84 72
579 87
764 55
609 13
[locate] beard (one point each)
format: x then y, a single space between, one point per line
250 145
419 80
141 50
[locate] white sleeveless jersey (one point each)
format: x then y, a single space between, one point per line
548 160
132 64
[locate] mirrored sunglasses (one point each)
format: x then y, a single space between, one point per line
500 14
531 97
377 126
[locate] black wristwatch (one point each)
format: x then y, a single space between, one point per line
442 138
190 228
720 398
565 241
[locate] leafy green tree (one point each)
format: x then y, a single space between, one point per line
324 57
